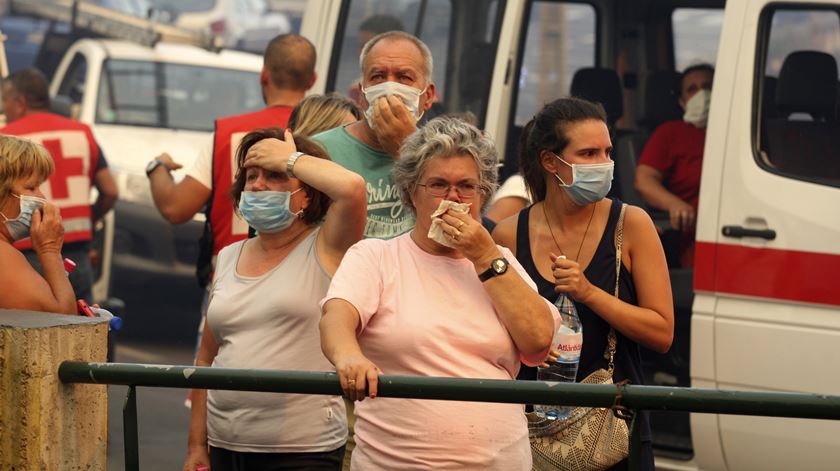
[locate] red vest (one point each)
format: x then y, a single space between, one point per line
75 154
228 227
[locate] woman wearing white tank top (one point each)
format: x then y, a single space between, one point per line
263 310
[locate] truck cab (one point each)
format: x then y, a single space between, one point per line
759 310
142 101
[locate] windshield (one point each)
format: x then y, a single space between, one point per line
164 95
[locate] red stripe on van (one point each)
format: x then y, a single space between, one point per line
768 273
704 266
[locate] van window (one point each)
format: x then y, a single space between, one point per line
798 94
696 36
560 40
73 83
461 35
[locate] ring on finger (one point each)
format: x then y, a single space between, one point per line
462 224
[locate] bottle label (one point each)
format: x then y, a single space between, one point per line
569 345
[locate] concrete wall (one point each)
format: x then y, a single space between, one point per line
44 424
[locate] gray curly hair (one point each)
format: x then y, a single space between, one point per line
445 136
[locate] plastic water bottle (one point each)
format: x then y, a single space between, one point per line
568 340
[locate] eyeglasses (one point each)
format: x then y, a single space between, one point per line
441 188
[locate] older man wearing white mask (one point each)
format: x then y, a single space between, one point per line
397 89
668 175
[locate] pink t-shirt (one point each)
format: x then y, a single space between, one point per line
428 315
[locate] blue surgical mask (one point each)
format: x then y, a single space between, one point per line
20 226
268 211
590 182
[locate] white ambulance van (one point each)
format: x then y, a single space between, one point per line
761 308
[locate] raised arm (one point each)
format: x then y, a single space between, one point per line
23 287
345 221
651 323
525 313
177 202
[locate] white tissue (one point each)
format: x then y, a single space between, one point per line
436 230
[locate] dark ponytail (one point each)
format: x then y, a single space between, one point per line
547 131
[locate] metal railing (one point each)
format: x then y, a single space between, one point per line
773 404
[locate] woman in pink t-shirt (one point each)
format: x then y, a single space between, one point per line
443 300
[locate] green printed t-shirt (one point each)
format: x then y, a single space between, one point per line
386 216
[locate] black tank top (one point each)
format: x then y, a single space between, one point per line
601 273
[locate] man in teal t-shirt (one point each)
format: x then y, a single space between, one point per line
397 89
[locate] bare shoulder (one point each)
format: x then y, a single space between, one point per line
637 219
505 232
640 235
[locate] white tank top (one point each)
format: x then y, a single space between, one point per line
271 321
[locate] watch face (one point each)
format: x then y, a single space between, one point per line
499 265
152 165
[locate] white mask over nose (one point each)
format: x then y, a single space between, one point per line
697 109
20 226
409 95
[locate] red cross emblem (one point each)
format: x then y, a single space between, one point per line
65 166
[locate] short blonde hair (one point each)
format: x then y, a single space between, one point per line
21 158
318 113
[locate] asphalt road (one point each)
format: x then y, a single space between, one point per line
162 418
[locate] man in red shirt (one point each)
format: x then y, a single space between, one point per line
668 174
79 165
288 72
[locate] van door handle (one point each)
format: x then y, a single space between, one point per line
739 231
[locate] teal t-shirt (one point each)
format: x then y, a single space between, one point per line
386 216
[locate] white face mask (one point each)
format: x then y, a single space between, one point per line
19 227
697 109
409 95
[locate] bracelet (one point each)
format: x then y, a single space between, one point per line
290 164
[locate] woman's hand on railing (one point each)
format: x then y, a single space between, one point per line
357 374
196 456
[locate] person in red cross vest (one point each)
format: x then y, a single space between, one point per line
79 166
288 72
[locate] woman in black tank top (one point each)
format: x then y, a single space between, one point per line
564 158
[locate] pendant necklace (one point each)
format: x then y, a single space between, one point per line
551 231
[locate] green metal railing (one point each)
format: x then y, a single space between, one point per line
774 404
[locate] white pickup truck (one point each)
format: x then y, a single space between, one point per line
141 101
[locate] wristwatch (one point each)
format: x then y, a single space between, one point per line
152 165
290 164
497 267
